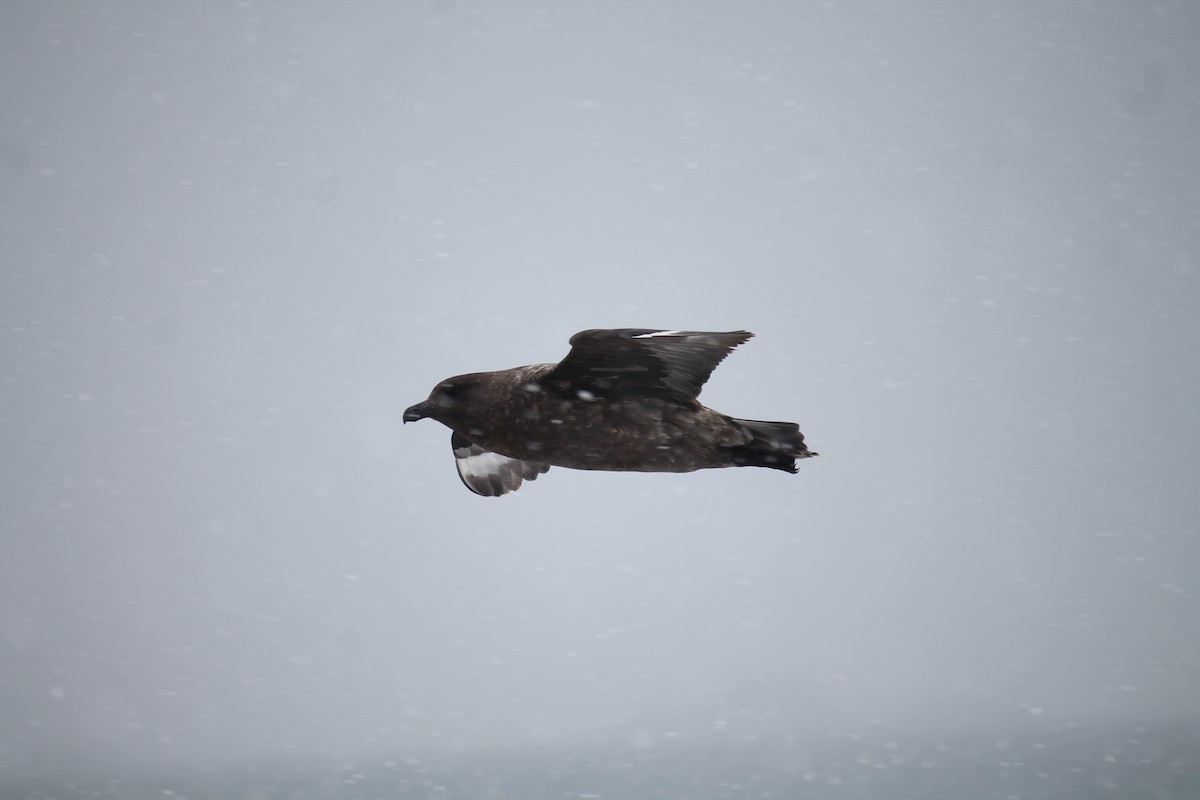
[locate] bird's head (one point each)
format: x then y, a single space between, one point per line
448 402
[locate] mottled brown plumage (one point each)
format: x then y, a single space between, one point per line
622 399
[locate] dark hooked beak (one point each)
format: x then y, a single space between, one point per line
414 413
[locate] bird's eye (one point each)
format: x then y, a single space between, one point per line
452 389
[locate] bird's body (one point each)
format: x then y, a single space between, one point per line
622 400
643 435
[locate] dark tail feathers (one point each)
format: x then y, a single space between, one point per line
776 445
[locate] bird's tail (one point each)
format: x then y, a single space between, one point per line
776 445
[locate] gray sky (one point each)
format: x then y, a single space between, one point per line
237 240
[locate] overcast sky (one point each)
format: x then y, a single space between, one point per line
237 240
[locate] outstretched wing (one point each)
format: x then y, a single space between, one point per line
641 362
491 474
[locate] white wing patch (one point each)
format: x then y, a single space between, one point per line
658 333
491 474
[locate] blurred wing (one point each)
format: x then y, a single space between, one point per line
491 474
641 362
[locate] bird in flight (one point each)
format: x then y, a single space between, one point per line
623 399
